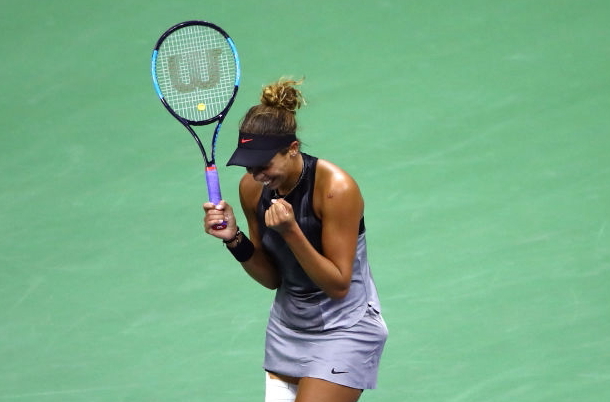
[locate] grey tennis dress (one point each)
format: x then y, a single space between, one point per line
308 333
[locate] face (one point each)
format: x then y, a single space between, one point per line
274 173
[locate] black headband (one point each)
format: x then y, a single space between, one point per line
257 150
260 141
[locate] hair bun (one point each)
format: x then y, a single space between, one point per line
283 95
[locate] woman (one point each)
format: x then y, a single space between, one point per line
305 239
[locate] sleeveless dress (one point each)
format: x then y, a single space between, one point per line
308 333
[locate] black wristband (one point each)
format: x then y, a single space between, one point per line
243 250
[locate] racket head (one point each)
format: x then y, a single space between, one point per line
196 73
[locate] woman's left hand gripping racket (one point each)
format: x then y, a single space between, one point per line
195 70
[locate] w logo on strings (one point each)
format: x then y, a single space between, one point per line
185 70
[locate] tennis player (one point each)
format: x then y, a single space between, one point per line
306 240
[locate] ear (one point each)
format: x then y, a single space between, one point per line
294 148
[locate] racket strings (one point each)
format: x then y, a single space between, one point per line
196 72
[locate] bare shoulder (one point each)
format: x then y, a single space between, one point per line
249 191
331 177
334 186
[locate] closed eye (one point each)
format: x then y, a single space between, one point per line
257 169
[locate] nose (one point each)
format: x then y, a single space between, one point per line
258 176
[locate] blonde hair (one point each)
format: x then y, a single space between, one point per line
276 113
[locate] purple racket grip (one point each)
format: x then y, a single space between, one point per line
211 177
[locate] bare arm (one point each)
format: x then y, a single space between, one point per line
259 267
339 204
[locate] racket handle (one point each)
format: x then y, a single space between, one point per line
211 177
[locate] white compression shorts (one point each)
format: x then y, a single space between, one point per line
277 390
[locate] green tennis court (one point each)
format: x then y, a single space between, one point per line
478 131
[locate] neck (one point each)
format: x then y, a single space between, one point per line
294 177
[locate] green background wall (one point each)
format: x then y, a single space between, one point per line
478 131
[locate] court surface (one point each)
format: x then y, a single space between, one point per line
477 130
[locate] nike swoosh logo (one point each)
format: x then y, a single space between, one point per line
338 372
244 140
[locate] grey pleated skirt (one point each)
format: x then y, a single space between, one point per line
349 356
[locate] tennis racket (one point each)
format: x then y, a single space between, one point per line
195 70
